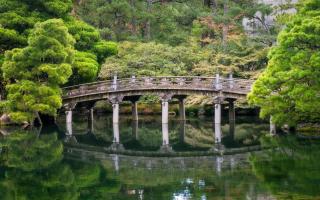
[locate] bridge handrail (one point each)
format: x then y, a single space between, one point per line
223 79
234 85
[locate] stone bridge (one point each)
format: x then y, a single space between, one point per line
131 89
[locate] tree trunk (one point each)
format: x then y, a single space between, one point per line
2 91
133 20
148 23
76 3
39 119
213 6
225 27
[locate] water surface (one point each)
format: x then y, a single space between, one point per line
41 164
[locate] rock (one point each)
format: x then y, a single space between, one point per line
5 119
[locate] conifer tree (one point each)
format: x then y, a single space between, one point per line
36 72
289 89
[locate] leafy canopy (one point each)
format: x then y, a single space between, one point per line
36 71
289 89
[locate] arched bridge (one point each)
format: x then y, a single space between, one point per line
228 88
117 90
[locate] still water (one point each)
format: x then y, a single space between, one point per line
47 164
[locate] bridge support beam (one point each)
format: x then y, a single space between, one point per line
217 120
232 117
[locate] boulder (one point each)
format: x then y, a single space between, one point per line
5 120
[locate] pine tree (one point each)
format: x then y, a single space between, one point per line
36 72
289 89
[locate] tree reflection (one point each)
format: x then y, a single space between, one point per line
33 168
291 171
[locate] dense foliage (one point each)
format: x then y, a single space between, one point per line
39 58
37 71
18 17
289 89
210 33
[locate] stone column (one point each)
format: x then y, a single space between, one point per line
165 134
90 120
114 82
217 83
217 120
231 81
165 111
135 128
232 117
182 130
115 100
272 127
69 108
134 106
116 135
165 120
115 159
182 110
115 112
219 162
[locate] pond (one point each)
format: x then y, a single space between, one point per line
47 164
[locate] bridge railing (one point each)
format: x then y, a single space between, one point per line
166 82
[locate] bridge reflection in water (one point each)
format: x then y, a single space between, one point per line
118 90
150 135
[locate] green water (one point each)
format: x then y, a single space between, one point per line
41 164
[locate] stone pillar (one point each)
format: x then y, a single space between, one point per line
69 108
115 159
116 145
182 130
114 82
90 120
217 120
115 113
232 117
165 120
182 110
219 162
134 106
135 128
217 84
165 134
165 111
272 127
116 135
115 100
231 81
